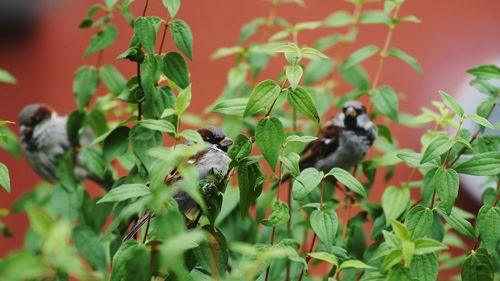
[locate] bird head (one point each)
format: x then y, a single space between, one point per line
354 115
33 115
214 136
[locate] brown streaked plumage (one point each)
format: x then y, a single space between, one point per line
206 161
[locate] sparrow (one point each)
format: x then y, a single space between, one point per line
44 140
209 162
342 142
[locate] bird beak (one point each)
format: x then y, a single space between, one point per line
226 142
351 112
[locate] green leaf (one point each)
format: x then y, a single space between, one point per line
446 182
134 54
142 140
262 97
348 180
419 221
85 84
131 262
371 17
102 40
40 221
145 31
312 53
176 69
385 100
9 142
183 39
234 107
400 230
317 70
480 120
250 28
325 224
355 264
74 126
183 100
279 214
293 74
192 136
116 143
356 76
338 19
488 222
460 224
485 87
22 265
361 55
290 161
113 80
124 192
250 185
324 256
158 125
4 177
452 103
269 137
172 6
478 266
399 273
87 243
439 145
224 52
301 100
6 77
241 148
391 259
394 202
411 61
425 267
213 253
303 139
426 245
485 72
483 164
408 251
308 180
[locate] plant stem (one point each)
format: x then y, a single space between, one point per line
274 227
347 215
445 165
498 195
383 52
473 138
272 14
147 229
288 225
145 8
322 190
163 38
99 59
308 258
139 105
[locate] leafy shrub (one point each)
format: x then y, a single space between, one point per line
259 227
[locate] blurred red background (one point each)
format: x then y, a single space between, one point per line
454 35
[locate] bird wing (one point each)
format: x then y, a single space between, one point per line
326 144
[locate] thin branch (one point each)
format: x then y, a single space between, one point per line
147 230
383 52
308 258
163 38
145 8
